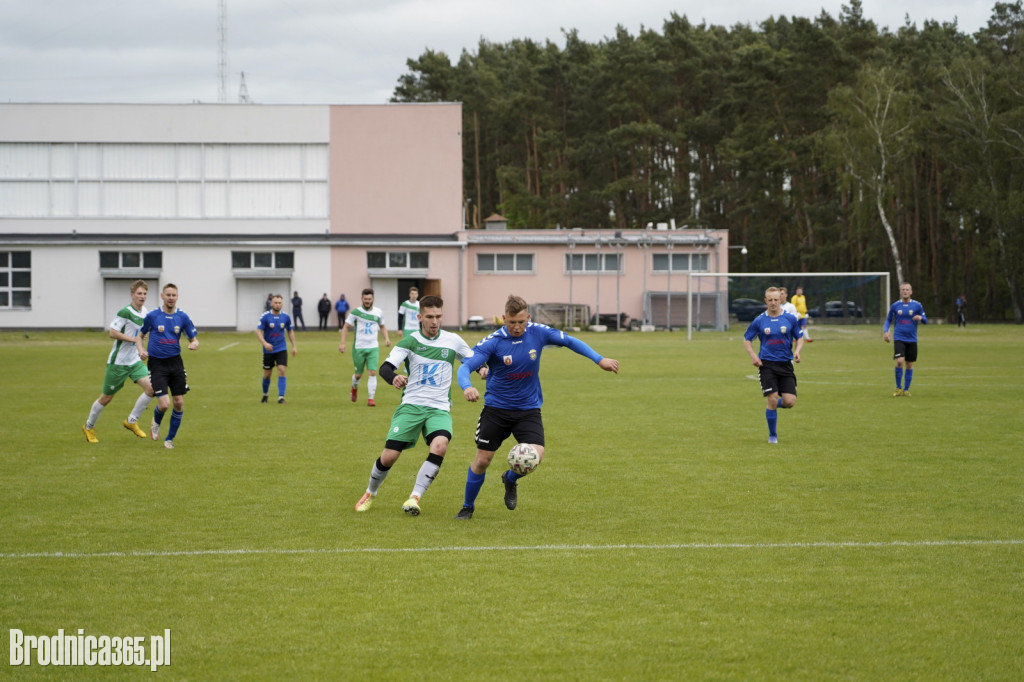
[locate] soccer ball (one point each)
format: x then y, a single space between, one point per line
523 458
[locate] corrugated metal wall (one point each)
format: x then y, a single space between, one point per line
163 180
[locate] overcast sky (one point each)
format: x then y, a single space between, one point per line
332 51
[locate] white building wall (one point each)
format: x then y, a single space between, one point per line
68 290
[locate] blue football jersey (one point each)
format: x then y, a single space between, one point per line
513 364
901 320
165 330
776 336
274 327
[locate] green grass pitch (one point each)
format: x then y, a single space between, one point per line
661 539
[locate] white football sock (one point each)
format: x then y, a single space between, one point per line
140 406
427 474
94 414
377 477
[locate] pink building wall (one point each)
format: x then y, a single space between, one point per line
607 293
396 169
396 184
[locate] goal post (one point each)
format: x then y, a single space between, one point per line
832 297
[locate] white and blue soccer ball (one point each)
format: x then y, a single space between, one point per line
523 458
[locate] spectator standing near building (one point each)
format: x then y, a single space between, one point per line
408 313
124 363
297 311
163 328
341 307
776 331
271 330
323 307
903 318
366 321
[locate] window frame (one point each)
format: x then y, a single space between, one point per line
526 268
600 257
11 271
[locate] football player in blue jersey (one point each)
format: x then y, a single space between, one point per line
271 332
903 318
163 328
776 331
513 397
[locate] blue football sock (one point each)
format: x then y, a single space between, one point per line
473 485
773 417
175 423
282 383
899 377
513 476
158 416
266 385
907 378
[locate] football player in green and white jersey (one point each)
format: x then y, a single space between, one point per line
408 313
366 320
123 363
428 356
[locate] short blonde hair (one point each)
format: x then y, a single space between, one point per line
514 305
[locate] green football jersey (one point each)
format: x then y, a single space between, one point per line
429 364
128 321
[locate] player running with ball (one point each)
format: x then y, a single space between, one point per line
513 398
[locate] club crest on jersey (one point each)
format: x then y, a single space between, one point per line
271 325
177 329
507 359
160 329
767 330
783 329
533 354
444 353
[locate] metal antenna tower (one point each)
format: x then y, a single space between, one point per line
222 51
243 92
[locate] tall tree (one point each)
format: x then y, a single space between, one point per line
873 132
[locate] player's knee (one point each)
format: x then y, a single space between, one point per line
437 441
482 460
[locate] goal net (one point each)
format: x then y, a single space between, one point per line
718 300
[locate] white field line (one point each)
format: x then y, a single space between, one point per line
228 346
512 548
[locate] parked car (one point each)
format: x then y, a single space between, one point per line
746 309
835 309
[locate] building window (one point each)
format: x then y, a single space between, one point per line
131 260
398 260
15 279
263 260
593 262
681 262
504 262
